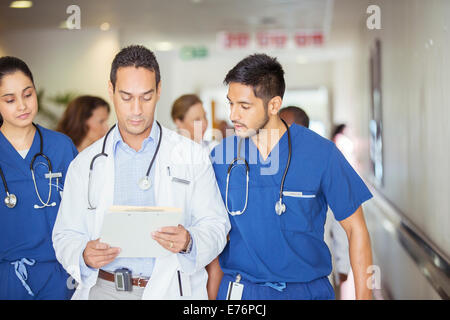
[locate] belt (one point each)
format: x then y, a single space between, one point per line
138 282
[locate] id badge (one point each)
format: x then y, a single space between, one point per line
235 289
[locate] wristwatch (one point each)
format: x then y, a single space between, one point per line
189 246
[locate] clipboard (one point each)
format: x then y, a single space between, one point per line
130 228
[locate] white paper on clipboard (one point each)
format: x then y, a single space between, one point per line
130 228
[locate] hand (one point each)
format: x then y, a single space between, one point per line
98 254
174 239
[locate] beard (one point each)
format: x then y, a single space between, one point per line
259 126
264 122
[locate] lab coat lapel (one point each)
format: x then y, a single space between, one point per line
162 179
164 268
106 192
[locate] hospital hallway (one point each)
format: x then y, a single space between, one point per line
376 70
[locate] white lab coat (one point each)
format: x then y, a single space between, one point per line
205 215
337 241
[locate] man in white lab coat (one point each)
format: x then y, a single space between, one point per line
144 164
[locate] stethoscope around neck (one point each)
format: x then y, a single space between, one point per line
280 207
144 183
11 199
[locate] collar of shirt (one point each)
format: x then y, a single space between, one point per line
150 140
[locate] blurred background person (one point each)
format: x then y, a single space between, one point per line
293 114
344 143
335 236
346 146
189 116
225 129
85 120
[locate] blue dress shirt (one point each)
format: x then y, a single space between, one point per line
130 166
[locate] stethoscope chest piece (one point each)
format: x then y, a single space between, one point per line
11 201
144 183
280 207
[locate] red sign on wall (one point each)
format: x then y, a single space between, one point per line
272 39
303 39
238 40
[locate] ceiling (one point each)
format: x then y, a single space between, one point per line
174 17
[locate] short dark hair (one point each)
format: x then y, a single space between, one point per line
300 116
265 74
137 56
10 65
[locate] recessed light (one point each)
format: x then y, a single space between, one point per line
302 60
105 26
21 4
63 25
164 46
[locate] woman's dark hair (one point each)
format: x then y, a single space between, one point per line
10 65
181 106
265 74
134 56
79 110
337 130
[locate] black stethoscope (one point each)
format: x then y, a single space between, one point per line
11 199
144 183
280 207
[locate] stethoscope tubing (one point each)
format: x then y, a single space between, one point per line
279 206
103 153
49 163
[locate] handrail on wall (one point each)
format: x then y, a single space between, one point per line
432 262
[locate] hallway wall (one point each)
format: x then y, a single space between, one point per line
415 48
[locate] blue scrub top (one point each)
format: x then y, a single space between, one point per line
265 247
25 232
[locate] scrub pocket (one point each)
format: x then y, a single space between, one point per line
301 207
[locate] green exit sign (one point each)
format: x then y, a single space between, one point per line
191 53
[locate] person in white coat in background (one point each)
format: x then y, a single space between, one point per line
136 151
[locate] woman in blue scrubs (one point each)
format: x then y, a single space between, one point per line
28 205
274 253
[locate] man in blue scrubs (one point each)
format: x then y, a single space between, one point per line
283 256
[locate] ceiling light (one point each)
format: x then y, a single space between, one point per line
63 25
164 46
302 60
21 4
105 26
